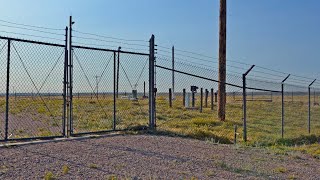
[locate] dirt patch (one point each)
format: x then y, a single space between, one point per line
148 157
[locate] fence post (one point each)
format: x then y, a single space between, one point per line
70 79
173 72
65 81
118 63
184 97
282 106
193 99
206 98
114 91
201 99
151 84
309 106
170 97
212 94
7 90
245 103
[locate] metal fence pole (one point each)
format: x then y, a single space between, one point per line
282 111
206 98
173 72
70 78
114 91
282 106
184 97
65 81
118 62
309 106
151 85
201 99
170 97
212 94
7 90
245 103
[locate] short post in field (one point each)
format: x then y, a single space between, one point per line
235 134
206 98
193 99
144 90
184 97
193 91
215 97
212 94
201 99
170 97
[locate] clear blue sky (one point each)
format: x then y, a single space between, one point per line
279 34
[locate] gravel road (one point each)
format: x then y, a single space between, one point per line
151 157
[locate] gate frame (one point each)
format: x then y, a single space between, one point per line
6 138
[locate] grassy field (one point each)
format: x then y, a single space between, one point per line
30 117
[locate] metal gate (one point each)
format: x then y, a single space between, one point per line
107 90
32 90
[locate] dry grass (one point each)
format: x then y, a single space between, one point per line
263 119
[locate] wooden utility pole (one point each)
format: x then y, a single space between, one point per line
222 60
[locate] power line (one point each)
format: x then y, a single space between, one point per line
104 45
86 38
39 27
44 37
32 30
109 37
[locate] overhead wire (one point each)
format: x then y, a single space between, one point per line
119 42
27 25
109 37
35 30
23 34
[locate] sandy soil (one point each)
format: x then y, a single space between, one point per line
151 157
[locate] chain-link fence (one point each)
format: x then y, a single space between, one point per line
93 90
132 108
109 90
92 104
186 101
32 102
3 77
314 111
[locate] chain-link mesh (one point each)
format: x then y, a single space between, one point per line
186 116
3 77
36 88
92 90
133 91
263 111
315 111
295 111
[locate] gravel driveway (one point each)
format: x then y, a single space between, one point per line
151 157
